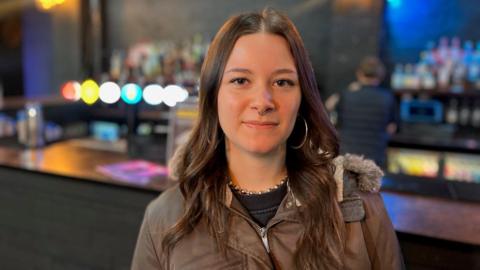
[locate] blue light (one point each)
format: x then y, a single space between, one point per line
394 3
412 24
131 93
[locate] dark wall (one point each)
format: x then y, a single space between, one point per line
11 54
355 31
336 33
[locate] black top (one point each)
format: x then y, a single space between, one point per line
262 207
363 118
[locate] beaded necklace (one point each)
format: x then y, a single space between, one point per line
248 192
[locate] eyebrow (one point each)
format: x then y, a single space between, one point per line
278 71
242 70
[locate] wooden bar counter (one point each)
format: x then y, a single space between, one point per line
439 218
435 233
72 160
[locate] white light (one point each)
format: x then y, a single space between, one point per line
174 94
109 92
153 94
32 112
170 97
183 95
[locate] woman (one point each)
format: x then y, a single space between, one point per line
256 179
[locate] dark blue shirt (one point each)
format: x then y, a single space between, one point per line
363 118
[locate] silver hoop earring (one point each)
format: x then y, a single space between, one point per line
304 138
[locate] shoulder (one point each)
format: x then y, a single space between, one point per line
387 93
165 210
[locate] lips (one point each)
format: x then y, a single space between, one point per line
260 124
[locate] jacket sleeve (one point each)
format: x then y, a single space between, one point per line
381 241
145 256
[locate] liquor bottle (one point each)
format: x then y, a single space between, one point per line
468 53
458 76
464 116
410 77
397 79
476 114
428 80
444 74
474 72
116 66
443 51
456 53
452 112
430 54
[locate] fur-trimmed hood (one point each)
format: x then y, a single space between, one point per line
367 175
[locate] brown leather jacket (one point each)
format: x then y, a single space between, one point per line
371 242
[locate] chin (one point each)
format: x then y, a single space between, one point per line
263 149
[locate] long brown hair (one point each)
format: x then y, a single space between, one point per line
202 171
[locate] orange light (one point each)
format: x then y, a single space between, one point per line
71 90
48 4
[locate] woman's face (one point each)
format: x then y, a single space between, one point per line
259 95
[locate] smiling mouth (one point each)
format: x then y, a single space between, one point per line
260 124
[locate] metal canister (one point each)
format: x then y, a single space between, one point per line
34 122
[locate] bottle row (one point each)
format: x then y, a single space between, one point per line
29 127
446 66
162 62
464 113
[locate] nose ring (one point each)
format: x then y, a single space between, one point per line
264 111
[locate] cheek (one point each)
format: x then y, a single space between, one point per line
292 113
226 111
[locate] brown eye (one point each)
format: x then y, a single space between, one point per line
284 83
239 81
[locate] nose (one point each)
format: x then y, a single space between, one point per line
263 101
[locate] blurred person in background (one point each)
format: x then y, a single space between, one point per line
260 182
366 113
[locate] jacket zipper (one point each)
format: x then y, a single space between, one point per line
262 231
264 236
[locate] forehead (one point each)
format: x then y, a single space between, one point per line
261 50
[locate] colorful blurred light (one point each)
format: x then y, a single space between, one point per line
109 92
48 4
174 94
71 90
182 95
153 94
394 3
90 92
131 93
